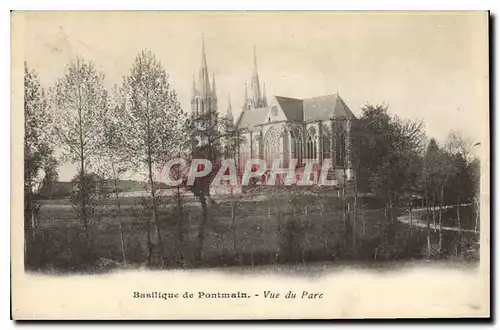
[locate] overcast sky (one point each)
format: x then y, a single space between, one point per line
432 66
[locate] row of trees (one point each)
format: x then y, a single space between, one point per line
139 125
393 159
134 127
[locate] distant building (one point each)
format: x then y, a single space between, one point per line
283 128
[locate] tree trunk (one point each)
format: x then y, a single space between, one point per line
233 219
476 222
410 215
428 245
363 223
427 208
344 199
386 229
154 213
31 208
29 226
355 210
83 201
83 184
306 240
434 225
122 240
148 221
391 219
322 217
201 229
428 238
441 219
180 219
459 226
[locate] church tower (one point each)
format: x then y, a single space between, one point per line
203 102
204 98
256 99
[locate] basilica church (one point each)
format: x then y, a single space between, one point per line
281 127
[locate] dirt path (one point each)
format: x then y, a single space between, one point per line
418 222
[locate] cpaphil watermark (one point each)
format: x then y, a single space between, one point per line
178 172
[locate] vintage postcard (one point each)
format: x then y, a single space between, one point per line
250 165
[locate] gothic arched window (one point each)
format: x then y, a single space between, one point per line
340 143
244 155
255 146
271 146
285 138
312 147
297 144
327 138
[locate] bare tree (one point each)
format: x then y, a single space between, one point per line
464 180
458 142
151 115
79 102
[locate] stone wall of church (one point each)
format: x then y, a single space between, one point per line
319 140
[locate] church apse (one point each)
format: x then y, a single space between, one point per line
280 127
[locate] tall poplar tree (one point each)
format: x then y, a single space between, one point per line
79 103
152 120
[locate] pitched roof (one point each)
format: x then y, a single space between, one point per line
292 108
326 107
316 108
249 118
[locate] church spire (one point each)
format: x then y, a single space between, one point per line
246 104
214 91
264 98
255 85
229 111
194 86
204 84
204 99
255 73
203 55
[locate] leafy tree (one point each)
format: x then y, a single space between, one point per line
50 178
181 150
385 150
152 119
79 103
38 150
463 183
113 160
96 191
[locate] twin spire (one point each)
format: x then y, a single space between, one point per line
204 97
229 111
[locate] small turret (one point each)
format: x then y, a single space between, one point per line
229 111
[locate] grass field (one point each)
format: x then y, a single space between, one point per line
282 228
